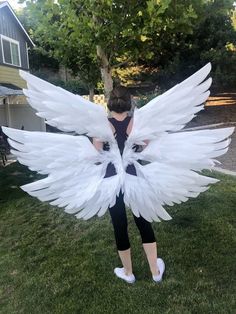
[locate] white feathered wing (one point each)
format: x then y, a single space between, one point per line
173 158
65 110
74 168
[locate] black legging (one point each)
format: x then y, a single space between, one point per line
119 221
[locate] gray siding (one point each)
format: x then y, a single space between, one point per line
10 28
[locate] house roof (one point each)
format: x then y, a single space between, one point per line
4 4
9 90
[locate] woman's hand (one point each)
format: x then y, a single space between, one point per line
128 131
146 142
97 144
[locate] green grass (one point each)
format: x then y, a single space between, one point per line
51 262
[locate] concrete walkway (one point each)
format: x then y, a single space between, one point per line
228 160
211 126
225 171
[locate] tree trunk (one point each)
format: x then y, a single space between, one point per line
105 71
91 93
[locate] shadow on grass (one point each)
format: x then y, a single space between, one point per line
11 178
185 221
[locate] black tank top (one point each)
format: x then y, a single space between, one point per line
120 131
120 136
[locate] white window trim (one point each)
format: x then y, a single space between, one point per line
27 53
15 42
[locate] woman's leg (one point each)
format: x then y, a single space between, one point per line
125 257
151 253
119 221
149 242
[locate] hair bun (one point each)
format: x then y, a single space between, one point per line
120 100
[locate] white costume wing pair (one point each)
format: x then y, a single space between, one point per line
76 169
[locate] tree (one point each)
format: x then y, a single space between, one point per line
38 56
87 34
209 37
54 40
213 39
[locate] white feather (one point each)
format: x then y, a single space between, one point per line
65 110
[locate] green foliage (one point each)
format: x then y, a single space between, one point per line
177 37
212 39
74 86
224 67
57 33
131 74
233 18
72 30
38 56
142 100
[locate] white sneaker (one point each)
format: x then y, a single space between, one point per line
161 266
120 272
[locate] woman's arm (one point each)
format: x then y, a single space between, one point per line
97 144
129 128
146 142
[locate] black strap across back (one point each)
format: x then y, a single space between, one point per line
120 136
120 131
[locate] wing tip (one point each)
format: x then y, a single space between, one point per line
205 70
23 73
210 81
209 65
24 187
229 131
8 131
4 129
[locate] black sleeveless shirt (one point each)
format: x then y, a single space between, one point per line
120 136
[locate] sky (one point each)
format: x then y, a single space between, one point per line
14 4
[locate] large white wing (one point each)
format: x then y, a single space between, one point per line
74 168
66 111
171 110
170 176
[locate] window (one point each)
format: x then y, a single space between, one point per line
10 51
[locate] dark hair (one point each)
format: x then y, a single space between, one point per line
119 100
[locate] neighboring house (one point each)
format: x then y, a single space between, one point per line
14 44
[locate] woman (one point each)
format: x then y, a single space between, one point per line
164 115
119 105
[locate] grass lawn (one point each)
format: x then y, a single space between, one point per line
50 262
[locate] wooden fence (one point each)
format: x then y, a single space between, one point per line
98 99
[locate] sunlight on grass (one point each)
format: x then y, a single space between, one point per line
53 263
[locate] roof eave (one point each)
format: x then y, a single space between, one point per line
6 4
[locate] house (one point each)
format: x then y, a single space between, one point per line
14 44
